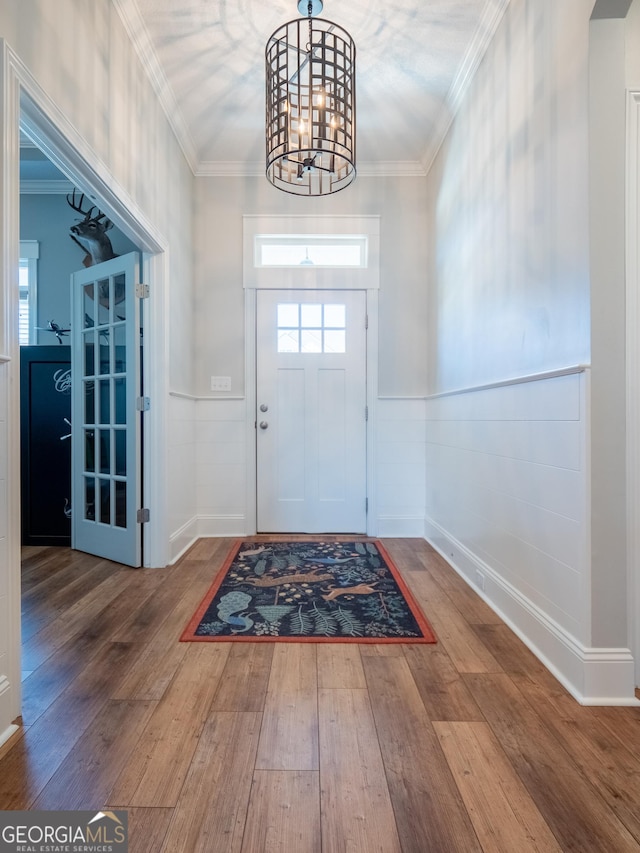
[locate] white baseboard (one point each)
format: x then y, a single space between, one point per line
6 734
593 676
182 540
222 525
392 527
205 527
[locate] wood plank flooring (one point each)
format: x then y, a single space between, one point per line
467 745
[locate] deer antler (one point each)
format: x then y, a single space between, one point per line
88 214
77 205
91 230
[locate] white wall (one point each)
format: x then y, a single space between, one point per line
509 286
512 465
607 143
507 504
400 454
632 230
183 506
82 68
220 344
219 329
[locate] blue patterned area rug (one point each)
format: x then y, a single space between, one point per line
309 592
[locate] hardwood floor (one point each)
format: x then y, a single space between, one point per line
466 745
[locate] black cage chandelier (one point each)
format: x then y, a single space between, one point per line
310 121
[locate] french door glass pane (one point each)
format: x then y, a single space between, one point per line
120 391
105 501
120 503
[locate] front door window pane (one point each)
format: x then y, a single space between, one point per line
288 314
311 328
311 316
335 316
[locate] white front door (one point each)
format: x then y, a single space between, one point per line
311 411
105 432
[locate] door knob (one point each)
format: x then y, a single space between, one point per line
263 424
264 408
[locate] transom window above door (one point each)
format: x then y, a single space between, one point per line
310 252
311 328
313 250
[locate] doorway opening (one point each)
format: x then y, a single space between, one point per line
50 205
59 151
312 261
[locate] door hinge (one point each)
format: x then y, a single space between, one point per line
142 516
366 505
143 404
142 291
366 413
366 321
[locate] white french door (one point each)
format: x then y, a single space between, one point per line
311 411
105 433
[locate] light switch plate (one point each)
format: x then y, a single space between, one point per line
221 383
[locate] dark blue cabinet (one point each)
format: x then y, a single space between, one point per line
45 413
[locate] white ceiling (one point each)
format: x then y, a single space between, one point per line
206 59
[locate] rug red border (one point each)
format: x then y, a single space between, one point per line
188 635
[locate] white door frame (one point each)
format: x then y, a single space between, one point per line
10 681
365 278
64 146
22 98
633 370
251 407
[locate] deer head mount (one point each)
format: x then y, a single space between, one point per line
92 231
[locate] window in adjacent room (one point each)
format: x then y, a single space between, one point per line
28 288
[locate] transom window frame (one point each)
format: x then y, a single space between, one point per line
311 276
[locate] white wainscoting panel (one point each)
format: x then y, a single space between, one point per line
506 476
400 466
183 510
507 504
221 469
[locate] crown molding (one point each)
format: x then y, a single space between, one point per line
489 23
491 17
391 169
229 169
138 34
372 169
